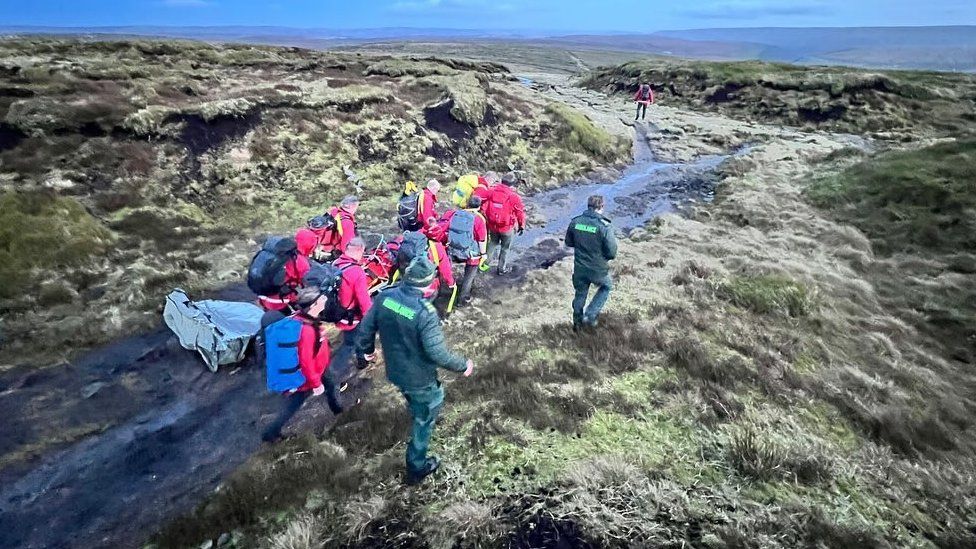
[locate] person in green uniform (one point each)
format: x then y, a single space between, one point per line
413 347
591 236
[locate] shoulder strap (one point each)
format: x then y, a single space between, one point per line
433 251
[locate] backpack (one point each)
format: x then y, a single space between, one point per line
281 355
461 245
322 223
645 93
498 209
413 245
466 185
408 212
328 278
266 275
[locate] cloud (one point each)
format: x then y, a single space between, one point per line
186 3
756 9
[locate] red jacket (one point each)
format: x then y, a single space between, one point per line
506 195
313 353
480 231
428 208
295 271
345 230
442 260
638 96
353 292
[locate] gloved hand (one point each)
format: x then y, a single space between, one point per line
318 391
521 231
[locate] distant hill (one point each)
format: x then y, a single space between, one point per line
938 48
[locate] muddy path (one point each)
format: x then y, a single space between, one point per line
154 432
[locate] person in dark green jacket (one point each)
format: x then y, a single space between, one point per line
591 236
413 346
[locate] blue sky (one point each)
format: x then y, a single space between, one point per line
516 15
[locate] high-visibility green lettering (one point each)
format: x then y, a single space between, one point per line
399 308
586 228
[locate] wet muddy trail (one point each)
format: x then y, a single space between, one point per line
155 432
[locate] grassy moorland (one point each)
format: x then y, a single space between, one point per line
900 105
772 372
131 167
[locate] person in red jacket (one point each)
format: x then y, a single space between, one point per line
505 213
317 242
345 216
295 270
427 213
353 297
485 184
313 359
643 98
481 238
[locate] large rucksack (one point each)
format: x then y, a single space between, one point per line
408 212
461 244
498 210
281 355
466 185
328 278
266 275
412 245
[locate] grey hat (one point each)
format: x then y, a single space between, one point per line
510 179
349 200
420 272
307 296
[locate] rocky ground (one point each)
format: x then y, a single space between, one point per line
766 375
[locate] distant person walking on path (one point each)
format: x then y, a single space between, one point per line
643 98
413 346
591 236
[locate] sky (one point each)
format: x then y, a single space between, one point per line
496 15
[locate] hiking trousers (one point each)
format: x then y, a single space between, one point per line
342 364
294 402
503 239
582 283
467 281
425 405
640 106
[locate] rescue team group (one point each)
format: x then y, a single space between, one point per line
324 275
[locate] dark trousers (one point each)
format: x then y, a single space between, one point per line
343 361
639 107
582 283
503 239
294 402
425 405
467 281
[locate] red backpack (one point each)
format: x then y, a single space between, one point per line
498 210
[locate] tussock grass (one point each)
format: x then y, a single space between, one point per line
768 294
41 230
579 134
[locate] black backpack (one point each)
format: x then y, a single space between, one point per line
408 212
328 278
324 222
413 245
266 274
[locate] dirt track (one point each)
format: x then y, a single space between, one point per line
172 430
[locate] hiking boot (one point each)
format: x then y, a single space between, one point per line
433 463
465 301
590 322
504 270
